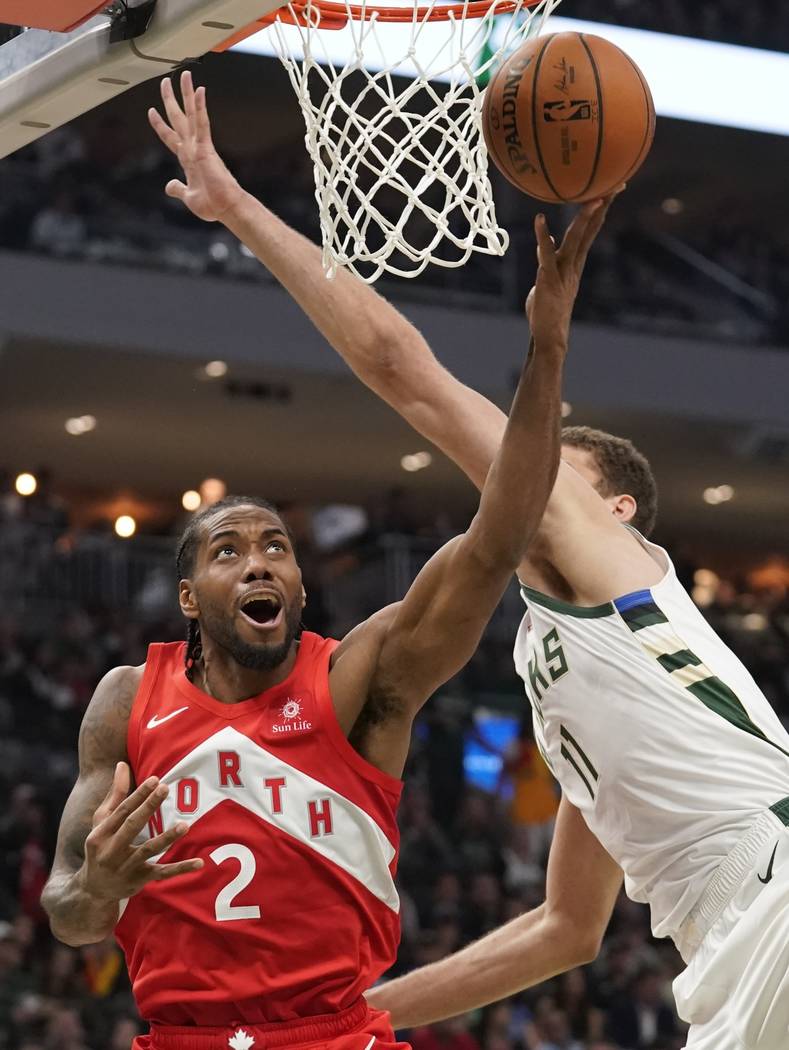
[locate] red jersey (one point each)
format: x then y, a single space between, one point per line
295 911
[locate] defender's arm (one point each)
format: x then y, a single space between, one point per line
564 932
389 355
384 349
437 626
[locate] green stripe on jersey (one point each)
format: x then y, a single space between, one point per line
568 736
645 615
717 696
568 756
702 683
676 661
781 810
589 612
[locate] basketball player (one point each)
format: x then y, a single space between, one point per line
674 768
234 818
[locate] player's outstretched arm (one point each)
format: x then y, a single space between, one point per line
565 931
383 348
96 864
390 356
432 633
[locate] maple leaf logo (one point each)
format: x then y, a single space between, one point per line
241 1040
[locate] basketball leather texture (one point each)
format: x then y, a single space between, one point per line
568 117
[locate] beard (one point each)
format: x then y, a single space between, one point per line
265 656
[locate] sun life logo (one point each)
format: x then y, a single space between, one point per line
291 709
291 719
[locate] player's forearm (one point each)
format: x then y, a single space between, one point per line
524 470
75 916
364 329
524 952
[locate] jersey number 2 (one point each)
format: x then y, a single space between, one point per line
224 907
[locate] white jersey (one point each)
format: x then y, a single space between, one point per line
656 732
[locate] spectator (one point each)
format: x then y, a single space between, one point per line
59 229
640 1019
535 799
446 1035
552 1032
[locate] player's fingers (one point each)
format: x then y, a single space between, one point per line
163 130
121 782
176 189
162 842
136 820
188 95
574 235
202 122
118 790
546 251
129 805
161 872
174 112
594 227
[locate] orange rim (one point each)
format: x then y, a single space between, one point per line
429 12
335 14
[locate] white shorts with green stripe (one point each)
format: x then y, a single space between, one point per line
735 989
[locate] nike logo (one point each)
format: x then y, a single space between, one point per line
769 873
156 721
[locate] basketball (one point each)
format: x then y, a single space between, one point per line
568 117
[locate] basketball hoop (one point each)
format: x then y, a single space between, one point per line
401 171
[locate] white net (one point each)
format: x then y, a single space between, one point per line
393 118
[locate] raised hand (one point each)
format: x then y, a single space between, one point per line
114 868
550 303
210 190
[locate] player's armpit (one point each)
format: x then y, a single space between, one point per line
582 541
578 535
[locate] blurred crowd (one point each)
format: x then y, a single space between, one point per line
470 859
88 192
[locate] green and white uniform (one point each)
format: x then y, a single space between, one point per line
661 737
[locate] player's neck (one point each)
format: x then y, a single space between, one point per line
226 680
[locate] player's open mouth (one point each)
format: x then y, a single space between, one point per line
263 612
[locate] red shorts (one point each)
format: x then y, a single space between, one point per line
359 1028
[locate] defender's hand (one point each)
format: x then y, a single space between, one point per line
550 303
210 190
114 868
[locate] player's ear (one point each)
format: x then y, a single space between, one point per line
623 507
303 596
187 599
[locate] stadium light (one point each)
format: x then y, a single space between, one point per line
26 484
125 526
191 499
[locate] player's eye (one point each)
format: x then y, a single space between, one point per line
277 545
226 547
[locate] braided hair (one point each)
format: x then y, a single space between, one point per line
186 557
